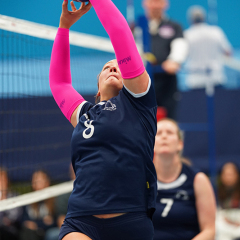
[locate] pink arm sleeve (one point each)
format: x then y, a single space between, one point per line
66 97
129 60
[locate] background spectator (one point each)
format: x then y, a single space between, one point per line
228 217
61 205
165 52
39 216
229 186
207 45
9 219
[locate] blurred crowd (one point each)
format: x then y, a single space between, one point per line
42 220
37 221
196 51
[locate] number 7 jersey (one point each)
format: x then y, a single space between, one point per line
176 215
112 152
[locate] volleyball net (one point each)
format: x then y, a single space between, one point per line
33 132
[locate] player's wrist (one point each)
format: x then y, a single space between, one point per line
64 26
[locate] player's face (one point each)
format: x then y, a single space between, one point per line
167 139
110 79
229 175
40 181
155 7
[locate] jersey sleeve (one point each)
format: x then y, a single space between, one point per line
146 99
83 108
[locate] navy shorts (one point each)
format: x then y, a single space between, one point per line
129 226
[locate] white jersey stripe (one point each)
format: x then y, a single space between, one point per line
138 95
177 183
79 109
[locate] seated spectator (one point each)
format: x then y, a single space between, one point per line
9 219
38 217
228 217
60 211
229 186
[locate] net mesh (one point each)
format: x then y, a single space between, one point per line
33 132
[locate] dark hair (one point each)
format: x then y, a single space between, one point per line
224 193
196 14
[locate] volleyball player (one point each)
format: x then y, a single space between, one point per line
112 143
185 203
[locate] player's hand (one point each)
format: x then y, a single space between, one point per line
68 18
170 66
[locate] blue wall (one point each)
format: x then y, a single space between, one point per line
48 12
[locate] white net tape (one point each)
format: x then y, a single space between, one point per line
36 196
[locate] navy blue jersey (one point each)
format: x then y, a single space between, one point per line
160 43
176 214
112 152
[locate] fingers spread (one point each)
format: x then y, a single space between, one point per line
86 7
73 6
65 6
82 5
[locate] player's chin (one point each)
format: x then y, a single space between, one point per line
165 152
115 83
112 79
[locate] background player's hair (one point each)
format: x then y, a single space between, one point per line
97 97
196 14
179 131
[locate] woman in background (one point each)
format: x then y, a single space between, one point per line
38 217
228 214
185 202
9 219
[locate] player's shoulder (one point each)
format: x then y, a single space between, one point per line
201 177
218 31
141 101
190 171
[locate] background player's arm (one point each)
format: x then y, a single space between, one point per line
178 52
206 207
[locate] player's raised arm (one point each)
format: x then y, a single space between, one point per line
67 98
130 63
